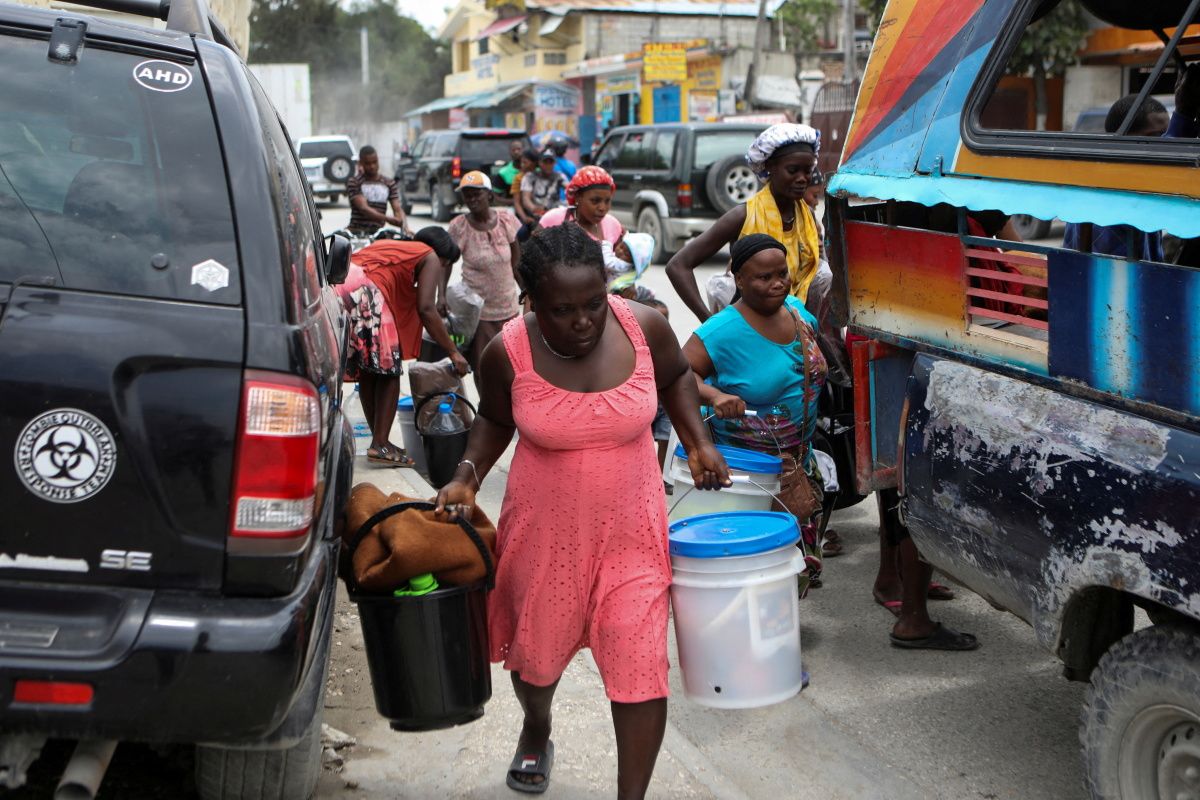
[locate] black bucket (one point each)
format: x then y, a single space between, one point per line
443 452
428 654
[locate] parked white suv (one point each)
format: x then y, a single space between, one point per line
328 161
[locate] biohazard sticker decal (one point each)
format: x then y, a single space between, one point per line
162 76
210 274
65 455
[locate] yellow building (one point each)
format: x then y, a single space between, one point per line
578 65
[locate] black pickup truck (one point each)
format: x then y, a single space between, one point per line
170 404
432 170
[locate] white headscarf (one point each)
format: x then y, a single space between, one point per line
775 137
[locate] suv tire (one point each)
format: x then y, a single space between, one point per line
648 221
339 169
730 183
437 205
1142 718
224 773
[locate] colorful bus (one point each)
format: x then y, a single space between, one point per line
1038 403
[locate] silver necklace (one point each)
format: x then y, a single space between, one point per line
551 349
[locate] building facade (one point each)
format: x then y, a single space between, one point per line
580 66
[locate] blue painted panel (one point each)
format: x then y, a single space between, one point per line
1147 212
666 104
1126 327
977 44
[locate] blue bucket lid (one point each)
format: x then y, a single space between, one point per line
405 404
732 533
743 460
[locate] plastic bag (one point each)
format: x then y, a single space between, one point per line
427 378
720 290
465 306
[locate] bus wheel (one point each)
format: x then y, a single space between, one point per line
1140 729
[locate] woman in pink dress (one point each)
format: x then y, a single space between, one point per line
582 535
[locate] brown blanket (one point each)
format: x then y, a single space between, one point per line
412 543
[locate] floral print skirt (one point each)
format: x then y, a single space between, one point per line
374 341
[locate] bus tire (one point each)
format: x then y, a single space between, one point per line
1140 727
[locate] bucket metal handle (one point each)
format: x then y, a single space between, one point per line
692 488
456 397
422 505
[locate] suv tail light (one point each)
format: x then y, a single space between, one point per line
683 196
51 693
456 168
275 474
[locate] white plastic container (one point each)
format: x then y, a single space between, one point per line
736 608
406 418
755 479
358 422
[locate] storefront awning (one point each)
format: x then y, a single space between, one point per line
445 103
553 21
493 99
500 26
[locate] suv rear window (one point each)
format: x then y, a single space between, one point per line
328 149
110 184
714 146
486 149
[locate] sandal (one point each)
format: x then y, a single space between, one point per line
536 762
939 591
942 638
389 457
893 606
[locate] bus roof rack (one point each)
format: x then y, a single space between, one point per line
185 16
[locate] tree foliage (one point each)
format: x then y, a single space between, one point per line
406 65
1051 44
803 21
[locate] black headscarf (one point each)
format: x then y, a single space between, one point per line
748 246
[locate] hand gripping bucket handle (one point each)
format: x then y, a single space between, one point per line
421 505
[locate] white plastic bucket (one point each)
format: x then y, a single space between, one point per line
358 422
737 618
406 418
752 490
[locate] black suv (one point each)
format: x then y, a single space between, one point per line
439 159
170 386
674 179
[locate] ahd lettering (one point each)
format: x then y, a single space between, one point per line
162 76
165 75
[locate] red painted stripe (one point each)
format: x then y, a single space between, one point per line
922 39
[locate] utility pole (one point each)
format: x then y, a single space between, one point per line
850 70
366 60
760 42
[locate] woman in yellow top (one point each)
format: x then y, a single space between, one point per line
784 156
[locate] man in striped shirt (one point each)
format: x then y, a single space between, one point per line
370 193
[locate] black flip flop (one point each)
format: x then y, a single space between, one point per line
531 762
942 638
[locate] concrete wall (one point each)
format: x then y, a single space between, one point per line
614 34
1088 87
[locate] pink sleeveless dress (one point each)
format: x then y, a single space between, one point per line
582 536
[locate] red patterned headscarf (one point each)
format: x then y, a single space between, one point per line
587 178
